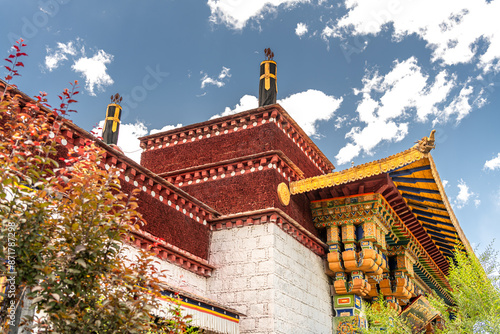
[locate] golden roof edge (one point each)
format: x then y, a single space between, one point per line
359 172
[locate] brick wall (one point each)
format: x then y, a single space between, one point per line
302 296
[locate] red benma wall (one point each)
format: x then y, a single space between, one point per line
264 138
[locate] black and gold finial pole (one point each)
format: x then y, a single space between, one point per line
112 121
268 89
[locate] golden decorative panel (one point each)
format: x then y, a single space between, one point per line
283 194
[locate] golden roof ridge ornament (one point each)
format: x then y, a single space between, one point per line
112 121
116 99
426 144
269 54
418 151
268 88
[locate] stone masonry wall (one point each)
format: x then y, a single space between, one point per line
302 294
279 284
175 276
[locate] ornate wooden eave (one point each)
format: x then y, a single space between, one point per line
357 172
414 190
399 233
419 170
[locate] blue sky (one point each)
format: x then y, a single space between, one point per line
365 79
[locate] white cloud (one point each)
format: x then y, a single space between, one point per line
54 59
236 13
219 81
309 107
165 128
306 108
341 121
389 103
128 138
301 29
452 30
224 73
493 163
465 196
329 32
94 71
459 106
247 102
445 183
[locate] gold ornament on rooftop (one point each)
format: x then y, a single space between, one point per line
426 144
116 99
269 54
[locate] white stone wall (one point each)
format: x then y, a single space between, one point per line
244 274
279 284
175 276
302 303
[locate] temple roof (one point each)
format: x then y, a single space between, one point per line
421 187
414 174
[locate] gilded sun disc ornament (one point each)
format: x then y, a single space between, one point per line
283 194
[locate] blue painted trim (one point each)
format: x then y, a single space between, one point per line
412 180
430 214
432 221
418 190
409 171
421 199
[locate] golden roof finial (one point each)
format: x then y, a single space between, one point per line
269 54
426 144
116 99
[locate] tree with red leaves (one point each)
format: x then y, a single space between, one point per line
62 227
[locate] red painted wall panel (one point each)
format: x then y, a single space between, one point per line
171 225
263 138
249 192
